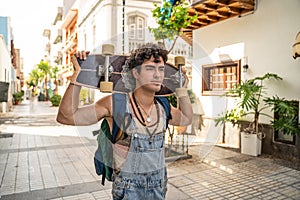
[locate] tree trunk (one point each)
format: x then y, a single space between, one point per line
46 91
56 86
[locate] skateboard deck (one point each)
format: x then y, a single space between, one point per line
93 72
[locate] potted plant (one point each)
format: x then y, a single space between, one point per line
18 97
55 99
252 100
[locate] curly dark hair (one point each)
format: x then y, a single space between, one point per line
145 52
136 59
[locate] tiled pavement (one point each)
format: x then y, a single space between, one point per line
59 165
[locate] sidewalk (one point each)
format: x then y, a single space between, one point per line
41 159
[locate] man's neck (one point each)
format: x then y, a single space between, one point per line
144 97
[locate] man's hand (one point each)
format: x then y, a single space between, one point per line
186 82
82 55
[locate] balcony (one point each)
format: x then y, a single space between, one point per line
58 38
48 48
70 43
59 15
47 33
58 59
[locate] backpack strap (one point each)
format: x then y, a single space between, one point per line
119 111
166 105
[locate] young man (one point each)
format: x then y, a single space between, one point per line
139 166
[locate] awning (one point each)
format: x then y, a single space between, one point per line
214 11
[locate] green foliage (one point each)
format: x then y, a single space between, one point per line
83 94
251 100
171 20
230 116
173 98
18 96
286 111
34 77
55 99
192 96
54 71
44 67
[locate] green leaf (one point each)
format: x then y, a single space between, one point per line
171 20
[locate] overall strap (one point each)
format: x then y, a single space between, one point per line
119 110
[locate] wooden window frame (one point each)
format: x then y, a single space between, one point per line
223 80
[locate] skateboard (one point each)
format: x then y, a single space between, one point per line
97 69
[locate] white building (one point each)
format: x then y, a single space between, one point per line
89 24
5 73
262 39
121 23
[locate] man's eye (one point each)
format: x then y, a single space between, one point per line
161 69
149 68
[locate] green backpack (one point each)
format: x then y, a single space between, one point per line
103 157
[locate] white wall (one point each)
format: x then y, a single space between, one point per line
5 71
107 17
265 38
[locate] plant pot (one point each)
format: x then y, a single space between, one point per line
250 144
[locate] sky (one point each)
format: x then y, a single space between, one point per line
28 20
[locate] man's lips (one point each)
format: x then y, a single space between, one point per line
156 82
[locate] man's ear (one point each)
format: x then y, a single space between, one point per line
135 73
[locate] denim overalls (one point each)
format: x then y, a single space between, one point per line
143 173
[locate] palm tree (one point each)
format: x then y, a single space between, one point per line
53 74
34 77
44 67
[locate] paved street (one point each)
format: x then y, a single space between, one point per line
41 159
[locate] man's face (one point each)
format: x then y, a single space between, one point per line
151 75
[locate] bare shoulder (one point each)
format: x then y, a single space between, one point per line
104 106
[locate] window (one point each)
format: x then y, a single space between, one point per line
132 31
136 25
218 78
140 28
280 136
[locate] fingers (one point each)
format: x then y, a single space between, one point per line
75 63
183 70
82 54
186 82
184 73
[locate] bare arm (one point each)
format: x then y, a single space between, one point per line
70 113
183 114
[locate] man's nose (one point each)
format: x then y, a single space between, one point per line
156 72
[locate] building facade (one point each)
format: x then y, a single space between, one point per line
11 66
87 25
259 41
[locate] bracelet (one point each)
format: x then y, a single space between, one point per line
71 83
181 92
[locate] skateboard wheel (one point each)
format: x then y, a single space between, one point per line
179 60
106 86
107 49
